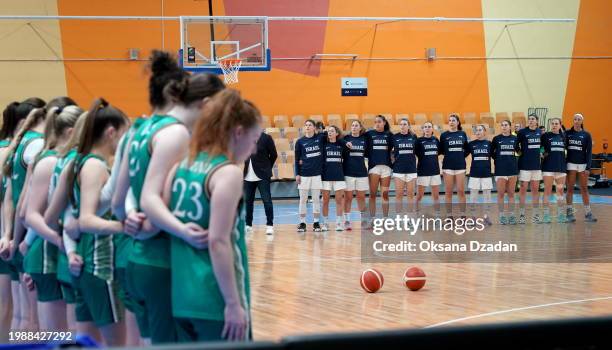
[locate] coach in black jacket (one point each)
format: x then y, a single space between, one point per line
257 174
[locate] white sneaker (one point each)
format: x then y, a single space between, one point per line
324 227
269 230
249 229
339 226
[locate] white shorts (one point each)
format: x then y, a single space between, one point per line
555 174
405 177
530 175
310 183
453 172
503 177
382 170
480 183
356 183
577 167
334 186
434 180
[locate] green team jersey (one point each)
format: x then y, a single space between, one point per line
124 242
154 251
3 144
195 291
98 251
20 168
42 255
63 273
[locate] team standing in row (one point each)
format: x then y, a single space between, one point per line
368 160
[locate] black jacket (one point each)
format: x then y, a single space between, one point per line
263 159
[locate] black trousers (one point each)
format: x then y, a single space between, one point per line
264 190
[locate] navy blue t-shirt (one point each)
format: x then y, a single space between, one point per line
332 167
427 150
579 147
503 152
379 148
529 146
481 158
354 158
403 153
310 151
454 148
554 152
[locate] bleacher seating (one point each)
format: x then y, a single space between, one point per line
281 121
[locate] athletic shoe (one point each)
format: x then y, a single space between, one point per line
590 218
570 217
301 227
347 226
536 219
512 220
522 220
546 219
324 227
561 218
316 227
503 220
339 226
269 230
249 229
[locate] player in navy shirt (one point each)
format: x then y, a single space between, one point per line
453 144
355 171
427 150
308 169
579 148
504 147
379 163
404 164
333 176
480 171
530 169
553 168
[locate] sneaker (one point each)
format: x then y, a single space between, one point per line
522 220
347 226
316 227
488 221
512 220
339 226
570 217
269 230
546 219
324 227
301 227
536 219
590 218
561 218
249 229
503 220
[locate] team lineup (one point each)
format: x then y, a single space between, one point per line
133 231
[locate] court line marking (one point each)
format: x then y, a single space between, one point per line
500 312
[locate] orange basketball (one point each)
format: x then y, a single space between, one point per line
371 280
414 278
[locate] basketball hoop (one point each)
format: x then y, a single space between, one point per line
230 68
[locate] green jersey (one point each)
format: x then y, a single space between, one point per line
63 273
42 255
20 168
3 144
154 251
195 291
98 251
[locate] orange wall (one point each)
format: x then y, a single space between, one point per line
394 87
588 90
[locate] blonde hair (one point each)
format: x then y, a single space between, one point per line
58 120
73 141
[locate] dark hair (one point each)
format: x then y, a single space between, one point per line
100 116
164 69
507 121
16 112
226 111
382 117
454 115
34 117
407 121
193 88
533 115
338 131
320 125
61 102
311 122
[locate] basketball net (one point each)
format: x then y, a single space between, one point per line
230 68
